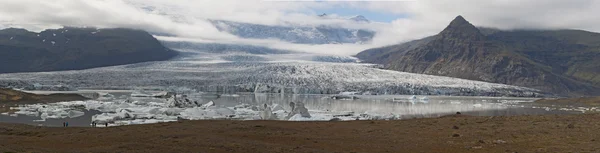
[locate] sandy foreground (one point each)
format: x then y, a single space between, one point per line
457 133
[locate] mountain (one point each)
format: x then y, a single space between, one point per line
76 48
296 33
557 61
359 18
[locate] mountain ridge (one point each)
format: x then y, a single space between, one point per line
71 48
547 60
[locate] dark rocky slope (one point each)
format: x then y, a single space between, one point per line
558 61
76 48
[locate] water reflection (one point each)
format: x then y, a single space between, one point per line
80 121
378 104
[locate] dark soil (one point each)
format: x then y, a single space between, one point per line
457 133
11 97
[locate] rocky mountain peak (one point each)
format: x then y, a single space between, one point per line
461 28
359 18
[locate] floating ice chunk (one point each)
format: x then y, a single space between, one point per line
224 111
320 117
11 38
230 95
455 102
105 94
170 111
277 107
52 43
108 117
53 34
161 94
28 113
412 97
398 99
139 121
209 104
5 113
344 97
44 40
266 113
140 94
298 108
477 105
238 106
348 93
279 114
197 113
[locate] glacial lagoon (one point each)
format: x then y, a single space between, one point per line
120 108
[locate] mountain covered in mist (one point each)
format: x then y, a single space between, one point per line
76 48
558 61
297 33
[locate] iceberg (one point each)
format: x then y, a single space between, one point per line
413 97
299 117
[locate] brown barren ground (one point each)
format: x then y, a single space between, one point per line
10 96
547 133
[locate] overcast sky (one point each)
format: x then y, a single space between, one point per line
396 21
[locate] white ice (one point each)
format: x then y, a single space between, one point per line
140 111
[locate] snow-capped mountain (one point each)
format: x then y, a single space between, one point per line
296 33
360 18
288 32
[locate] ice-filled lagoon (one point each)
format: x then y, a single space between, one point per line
125 108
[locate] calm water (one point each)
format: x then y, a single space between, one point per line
400 105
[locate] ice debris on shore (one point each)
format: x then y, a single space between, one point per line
128 112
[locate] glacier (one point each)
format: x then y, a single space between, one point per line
228 69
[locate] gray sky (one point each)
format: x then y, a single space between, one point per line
187 18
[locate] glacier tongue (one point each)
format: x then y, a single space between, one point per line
288 77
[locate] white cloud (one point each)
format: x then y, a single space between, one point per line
187 18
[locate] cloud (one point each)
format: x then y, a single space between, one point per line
188 18
430 16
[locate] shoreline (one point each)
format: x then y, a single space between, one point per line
454 133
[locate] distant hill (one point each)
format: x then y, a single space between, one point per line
559 61
76 48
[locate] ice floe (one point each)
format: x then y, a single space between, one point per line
148 109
